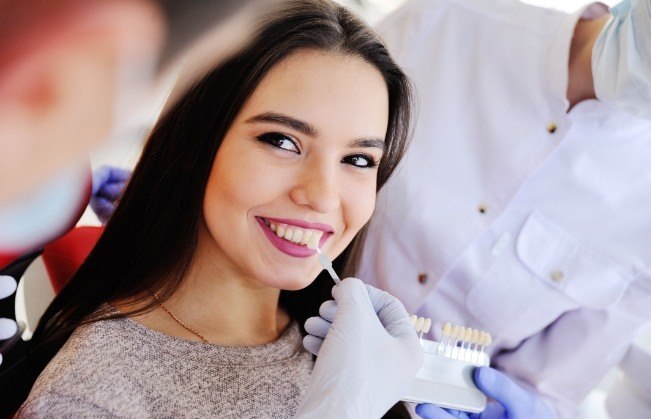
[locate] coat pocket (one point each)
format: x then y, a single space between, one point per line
547 273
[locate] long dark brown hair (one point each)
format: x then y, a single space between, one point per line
151 239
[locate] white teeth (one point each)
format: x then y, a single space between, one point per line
306 237
280 231
314 240
309 238
297 236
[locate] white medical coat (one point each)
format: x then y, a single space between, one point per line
509 213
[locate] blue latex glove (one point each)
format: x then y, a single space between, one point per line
510 401
108 184
368 354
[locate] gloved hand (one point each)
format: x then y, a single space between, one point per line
510 401
8 327
368 359
108 183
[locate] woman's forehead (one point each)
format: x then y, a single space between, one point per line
324 89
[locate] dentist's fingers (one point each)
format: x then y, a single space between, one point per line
312 344
429 411
391 312
518 402
111 190
102 207
119 175
100 177
316 326
328 310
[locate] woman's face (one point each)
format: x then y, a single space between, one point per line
299 160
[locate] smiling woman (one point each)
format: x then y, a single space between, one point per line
193 300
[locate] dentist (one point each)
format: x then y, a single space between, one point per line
522 205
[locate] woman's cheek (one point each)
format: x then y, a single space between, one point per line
361 206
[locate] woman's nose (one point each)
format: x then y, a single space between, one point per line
317 188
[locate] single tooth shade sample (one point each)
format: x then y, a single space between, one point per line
306 236
447 329
427 325
419 324
314 240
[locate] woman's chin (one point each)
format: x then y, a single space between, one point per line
296 285
291 281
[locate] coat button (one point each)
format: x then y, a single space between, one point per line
551 128
422 278
557 276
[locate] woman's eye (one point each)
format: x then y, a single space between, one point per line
279 140
360 160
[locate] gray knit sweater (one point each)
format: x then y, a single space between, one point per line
119 368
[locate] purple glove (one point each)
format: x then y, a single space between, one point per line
510 401
108 183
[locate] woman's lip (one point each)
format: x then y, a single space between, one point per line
300 223
287 247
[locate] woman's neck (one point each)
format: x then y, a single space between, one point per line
226 308
227 312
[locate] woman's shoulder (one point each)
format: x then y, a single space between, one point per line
94 357
96 342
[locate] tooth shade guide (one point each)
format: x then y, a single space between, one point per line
457 342
445 378
447 382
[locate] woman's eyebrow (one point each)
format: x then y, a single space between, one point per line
307 129
293 123
368 142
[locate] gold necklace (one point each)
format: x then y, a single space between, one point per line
185 326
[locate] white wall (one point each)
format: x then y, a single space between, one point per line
379 7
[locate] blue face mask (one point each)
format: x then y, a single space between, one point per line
621 58
44 214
